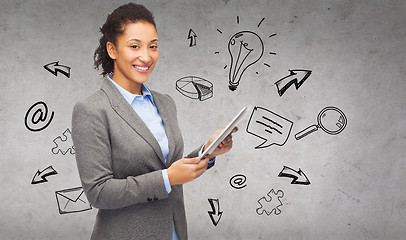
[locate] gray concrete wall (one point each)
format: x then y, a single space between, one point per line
355 54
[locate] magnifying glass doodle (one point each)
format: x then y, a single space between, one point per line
330 119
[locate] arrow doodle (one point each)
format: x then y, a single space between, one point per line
54 68
40 176
192 36
298 176
293 78
215 213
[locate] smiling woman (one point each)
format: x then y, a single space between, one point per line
135 55
128 145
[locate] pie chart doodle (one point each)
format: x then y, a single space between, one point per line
195 87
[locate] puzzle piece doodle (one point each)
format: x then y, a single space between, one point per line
271 205
63 144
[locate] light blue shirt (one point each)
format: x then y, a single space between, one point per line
146 109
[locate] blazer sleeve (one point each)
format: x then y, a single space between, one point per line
90 136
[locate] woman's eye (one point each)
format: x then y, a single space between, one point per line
154 47
135 46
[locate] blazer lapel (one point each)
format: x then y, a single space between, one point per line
167 124
127 113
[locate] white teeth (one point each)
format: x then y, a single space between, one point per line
141 68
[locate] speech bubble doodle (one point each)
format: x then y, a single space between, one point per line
36 118
269 126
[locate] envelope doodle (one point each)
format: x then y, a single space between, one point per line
72 200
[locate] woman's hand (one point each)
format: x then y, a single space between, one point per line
186 170
224 146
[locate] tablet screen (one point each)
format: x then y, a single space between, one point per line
226 131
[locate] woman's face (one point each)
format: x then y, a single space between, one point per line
135 55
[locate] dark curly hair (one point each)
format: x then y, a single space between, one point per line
114 27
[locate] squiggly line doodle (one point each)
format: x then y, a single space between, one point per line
238 181
36 118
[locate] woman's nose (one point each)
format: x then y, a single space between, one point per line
144 55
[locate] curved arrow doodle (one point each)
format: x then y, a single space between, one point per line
192 36
54 68
40 176
293 78
298 176
215 214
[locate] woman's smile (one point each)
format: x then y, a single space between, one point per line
142 69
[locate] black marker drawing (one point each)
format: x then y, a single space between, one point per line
259 24
215 213
63 144
192 36
245 49
36 118
270 204
72 200
330 119
296 77
195 87
238 181
272 35
40 176
269 126
54 68
298 176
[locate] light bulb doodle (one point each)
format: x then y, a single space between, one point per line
245 49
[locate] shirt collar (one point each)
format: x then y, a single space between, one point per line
130 97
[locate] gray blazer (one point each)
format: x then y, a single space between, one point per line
120 163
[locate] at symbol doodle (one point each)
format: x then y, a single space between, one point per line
36 117
238 181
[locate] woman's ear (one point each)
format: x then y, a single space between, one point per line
111 50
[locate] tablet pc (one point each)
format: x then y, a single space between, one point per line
226 131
